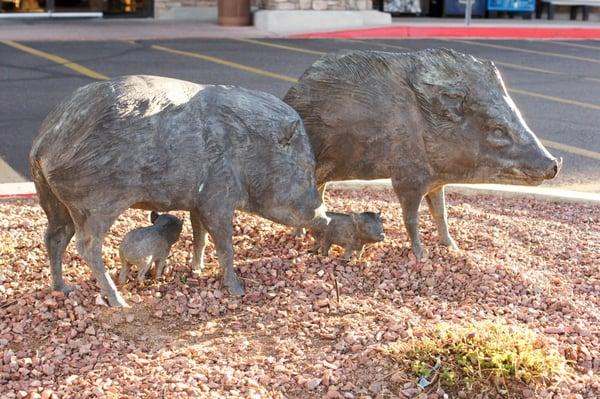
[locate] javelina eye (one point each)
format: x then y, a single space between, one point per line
499 133
499 137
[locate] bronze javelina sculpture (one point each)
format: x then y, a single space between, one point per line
423 119
163 144
149 246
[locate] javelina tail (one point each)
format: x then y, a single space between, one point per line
60 224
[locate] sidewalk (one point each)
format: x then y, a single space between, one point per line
119 29
148 29
479 28
27 190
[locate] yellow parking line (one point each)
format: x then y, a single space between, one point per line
586 46
571 149
372 41
557 99
529 51
280 46
59 60
504 64
258 71
230 64
527 68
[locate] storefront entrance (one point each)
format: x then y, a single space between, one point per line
108 8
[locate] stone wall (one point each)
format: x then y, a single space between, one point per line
315 4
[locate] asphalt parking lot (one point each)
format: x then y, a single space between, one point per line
556 84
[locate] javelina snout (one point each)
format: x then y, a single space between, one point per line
554 168
536 164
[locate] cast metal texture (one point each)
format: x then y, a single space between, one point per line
149 246
164 144
423 119
351 231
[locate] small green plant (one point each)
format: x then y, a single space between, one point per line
479 355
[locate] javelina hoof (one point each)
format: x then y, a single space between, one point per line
196 265
235 286
299 232
117 301
450 243
65 289
417 251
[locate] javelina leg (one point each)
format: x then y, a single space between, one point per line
347 254
361 250
318 237
315 249
59 232
90 233
160 267
124 269
410 202
200 236
437 207
325 248
221 231
299 231
141 276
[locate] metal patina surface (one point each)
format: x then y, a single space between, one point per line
148 246
423 119
351 231
164 144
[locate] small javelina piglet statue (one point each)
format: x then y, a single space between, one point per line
350 231
150 245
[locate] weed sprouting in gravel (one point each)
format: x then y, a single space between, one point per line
480 355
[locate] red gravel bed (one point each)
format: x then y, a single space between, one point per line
521 262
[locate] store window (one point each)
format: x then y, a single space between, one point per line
133 8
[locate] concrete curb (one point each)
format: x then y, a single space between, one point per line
27 190
471 32
506 191
17 190
289 21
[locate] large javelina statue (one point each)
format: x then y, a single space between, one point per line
423 119
163 144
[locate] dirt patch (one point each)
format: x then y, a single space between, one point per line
523 263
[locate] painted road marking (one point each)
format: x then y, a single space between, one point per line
571 149
59 60
303 50
501 63
222 61
377 43
9 174
586 46
529 51
307 51
258 71
557 99
280 46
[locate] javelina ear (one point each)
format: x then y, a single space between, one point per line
153 216
289 133
441 93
